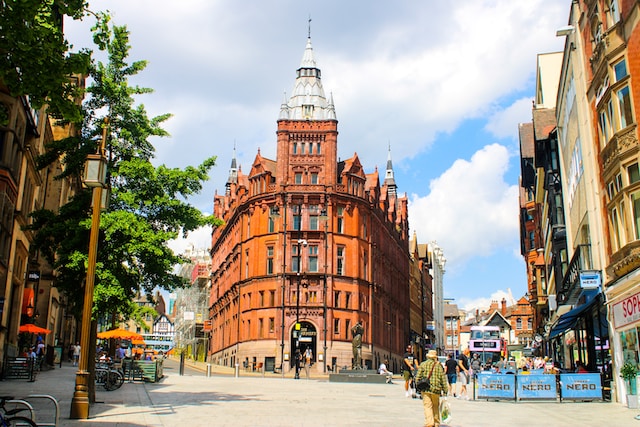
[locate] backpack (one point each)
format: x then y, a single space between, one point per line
475 364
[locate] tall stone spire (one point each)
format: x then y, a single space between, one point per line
308 101
389 179
233 172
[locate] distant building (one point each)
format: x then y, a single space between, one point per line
452 325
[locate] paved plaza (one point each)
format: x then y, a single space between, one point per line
195 399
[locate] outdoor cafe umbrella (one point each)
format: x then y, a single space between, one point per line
33 329
120 333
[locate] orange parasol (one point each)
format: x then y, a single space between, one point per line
33 329
120 333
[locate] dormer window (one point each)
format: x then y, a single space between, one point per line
307 111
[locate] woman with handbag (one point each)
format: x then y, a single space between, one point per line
432 370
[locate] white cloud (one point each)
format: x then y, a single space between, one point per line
501 123
470 210
471 305
197 239
401 72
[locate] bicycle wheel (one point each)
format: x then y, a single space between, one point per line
120 377
113 381
19 421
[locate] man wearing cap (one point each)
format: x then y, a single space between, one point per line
431 368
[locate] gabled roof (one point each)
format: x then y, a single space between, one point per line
353 166
262 165
496 319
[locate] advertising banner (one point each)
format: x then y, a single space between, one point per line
580 386
496 386
627 311
537 386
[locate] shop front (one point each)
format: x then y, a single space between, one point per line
582 335
625 323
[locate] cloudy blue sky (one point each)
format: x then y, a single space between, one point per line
445 84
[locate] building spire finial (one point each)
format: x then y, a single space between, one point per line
309 27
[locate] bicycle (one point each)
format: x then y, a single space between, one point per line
110 378
8 417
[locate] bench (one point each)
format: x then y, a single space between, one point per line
20 368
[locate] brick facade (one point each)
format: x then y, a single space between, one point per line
308 240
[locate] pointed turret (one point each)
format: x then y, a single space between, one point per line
308 101
284 109
233 173
389 179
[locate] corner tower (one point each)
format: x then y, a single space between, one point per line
307 130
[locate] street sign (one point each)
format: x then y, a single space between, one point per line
590 279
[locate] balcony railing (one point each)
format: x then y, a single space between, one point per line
569 291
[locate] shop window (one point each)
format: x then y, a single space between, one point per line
629 343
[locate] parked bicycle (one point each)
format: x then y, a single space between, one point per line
110 377
8 417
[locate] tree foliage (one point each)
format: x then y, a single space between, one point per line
35 57
147 204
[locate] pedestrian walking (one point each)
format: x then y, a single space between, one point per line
431 368
463 376
452 369
308 358
409 366
76 354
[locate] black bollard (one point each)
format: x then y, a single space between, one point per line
182 364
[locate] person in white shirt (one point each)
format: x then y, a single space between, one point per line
382 370
76 354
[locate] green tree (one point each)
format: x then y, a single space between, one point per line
147 205
35 57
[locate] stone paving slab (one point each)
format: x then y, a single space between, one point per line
195 399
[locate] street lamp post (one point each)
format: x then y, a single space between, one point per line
297 328
95 177
389 333
324 216
275 213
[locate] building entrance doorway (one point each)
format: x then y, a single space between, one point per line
305 338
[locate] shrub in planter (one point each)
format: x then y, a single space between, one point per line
628 372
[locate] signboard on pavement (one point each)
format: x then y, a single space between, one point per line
537 386
496 386
580 386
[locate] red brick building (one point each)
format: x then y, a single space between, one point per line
311 245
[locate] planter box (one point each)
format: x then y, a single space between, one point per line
632 401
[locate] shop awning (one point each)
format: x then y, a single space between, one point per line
569 319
